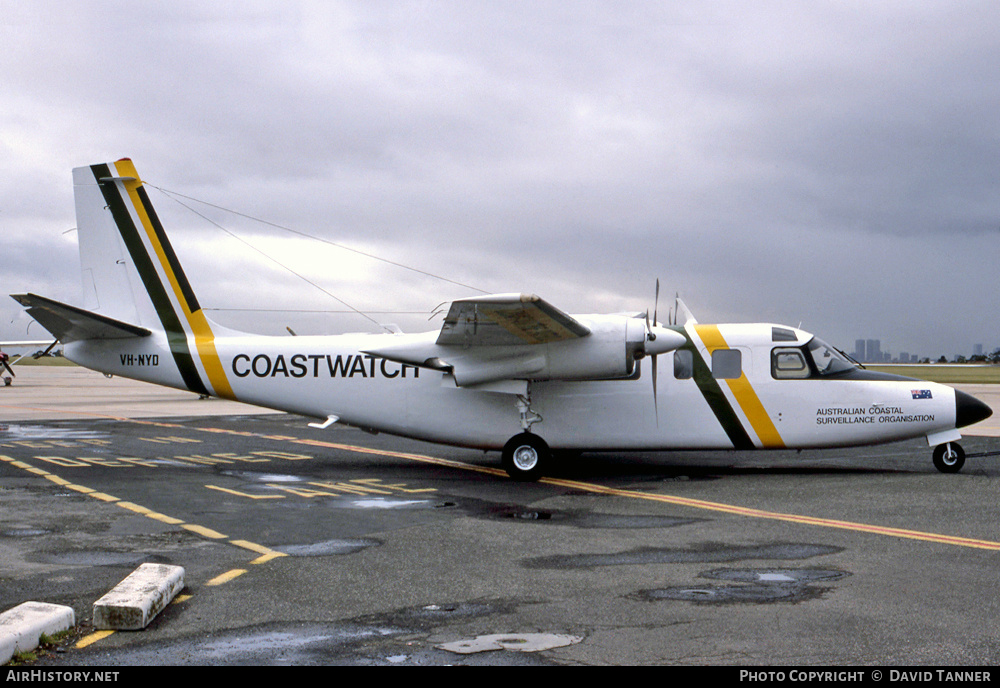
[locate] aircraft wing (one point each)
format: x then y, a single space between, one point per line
507 319
69 323
511 337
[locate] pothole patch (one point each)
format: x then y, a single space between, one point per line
760 586
517 642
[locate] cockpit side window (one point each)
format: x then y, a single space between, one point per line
816 359
789 363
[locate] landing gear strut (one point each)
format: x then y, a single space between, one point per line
949 457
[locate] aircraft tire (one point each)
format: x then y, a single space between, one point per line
7 380
525 457
949 457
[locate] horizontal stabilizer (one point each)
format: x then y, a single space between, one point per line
69 323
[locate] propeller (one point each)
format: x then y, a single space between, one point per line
659 340
651 337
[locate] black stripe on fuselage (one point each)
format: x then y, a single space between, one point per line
715 397
176 336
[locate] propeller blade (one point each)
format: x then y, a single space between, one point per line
651 337
656 408
9 369
656 300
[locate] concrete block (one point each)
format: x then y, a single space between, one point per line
136 601
21 627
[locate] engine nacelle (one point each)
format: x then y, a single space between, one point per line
609 351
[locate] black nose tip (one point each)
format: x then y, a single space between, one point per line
969 410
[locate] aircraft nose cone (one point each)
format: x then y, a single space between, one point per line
969 410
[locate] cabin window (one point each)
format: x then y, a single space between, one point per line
684 364
783 334
727 364
789 364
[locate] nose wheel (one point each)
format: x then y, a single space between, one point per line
525 457
949 457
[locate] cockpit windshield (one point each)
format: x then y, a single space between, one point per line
828 361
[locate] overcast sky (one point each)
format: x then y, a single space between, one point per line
829 164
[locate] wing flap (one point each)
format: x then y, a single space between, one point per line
69 323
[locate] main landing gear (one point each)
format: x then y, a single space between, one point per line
526 456
949 457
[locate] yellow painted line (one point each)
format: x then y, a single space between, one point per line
778 516
170 520
237 493
263 559
226 577
668 499
403 455
741 388
92 638
204 532
259 549
134 507
684 501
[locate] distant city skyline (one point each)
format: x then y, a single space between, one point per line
870 351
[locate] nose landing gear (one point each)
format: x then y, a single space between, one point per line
949 457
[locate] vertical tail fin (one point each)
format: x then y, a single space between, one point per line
131 273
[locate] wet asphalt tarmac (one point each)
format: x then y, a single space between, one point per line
337 547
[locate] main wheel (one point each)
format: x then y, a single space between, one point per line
525 457
949 457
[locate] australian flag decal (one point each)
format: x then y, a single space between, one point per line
920 393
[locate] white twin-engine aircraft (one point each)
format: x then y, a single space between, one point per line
507 372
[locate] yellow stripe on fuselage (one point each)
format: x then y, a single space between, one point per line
203 336
743 391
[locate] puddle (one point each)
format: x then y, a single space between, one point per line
596 521
15 431
775 575
728 593
328 548
263 477
383 503
704 554
17 532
